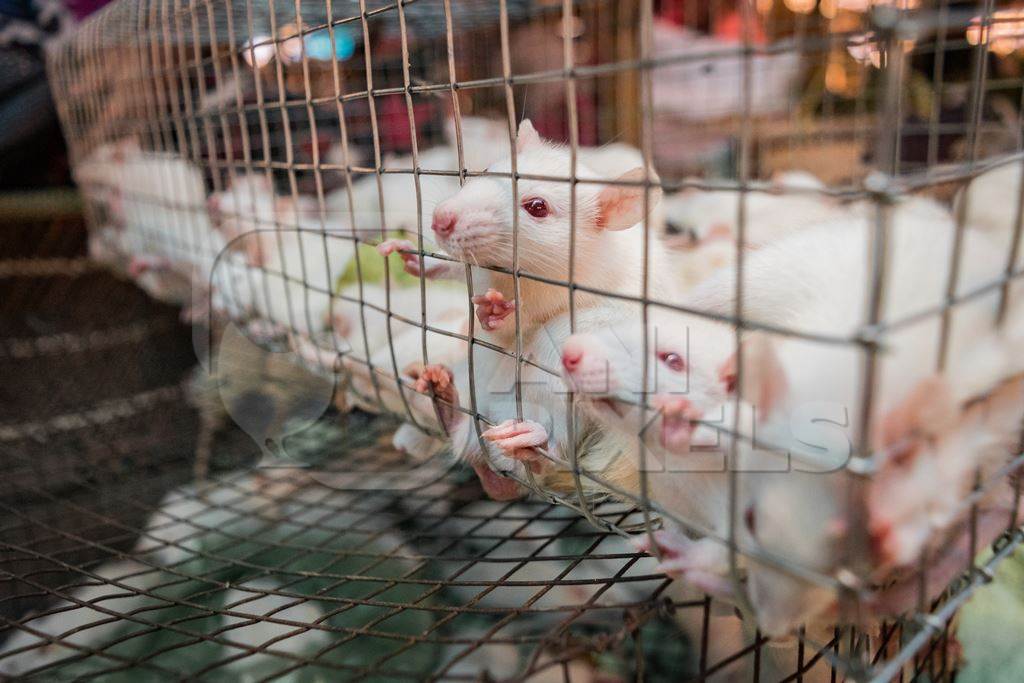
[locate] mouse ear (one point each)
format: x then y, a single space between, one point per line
764 378
527 136
927 411
796 180
622 206
125 148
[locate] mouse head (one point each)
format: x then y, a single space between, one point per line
699 218
246 205
689 361
695 218
923 456
799 519
692 376
476 224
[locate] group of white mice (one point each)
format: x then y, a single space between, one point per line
633 378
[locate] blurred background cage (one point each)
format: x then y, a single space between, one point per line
236 518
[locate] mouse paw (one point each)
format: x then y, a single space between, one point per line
196 313
411 260
414 442
703 564
492 308
520 440
496 486
313 355
256 247
266 330
439 381
143 264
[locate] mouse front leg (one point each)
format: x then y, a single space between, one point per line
703 563
415 442
198 311
144 263
413 264
520 440
439 382
438 379
313 355
492 308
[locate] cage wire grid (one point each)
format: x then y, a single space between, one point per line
184 78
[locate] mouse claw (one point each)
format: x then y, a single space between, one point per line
520 440
266 330
496 486
414 265
492 308
439 381
313 355
143 264
703 564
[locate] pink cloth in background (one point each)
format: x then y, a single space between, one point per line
80 9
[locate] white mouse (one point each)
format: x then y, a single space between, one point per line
291 259
541 441
814 281
689 380
794 201
992 199
913 408
155 204
703 225
476 226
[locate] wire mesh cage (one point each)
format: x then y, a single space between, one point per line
727 289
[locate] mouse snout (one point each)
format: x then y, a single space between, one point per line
586 362
444 221
572 354
213 205
719 232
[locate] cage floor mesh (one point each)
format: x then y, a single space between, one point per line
116 563
165 519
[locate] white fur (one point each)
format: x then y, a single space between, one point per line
702 227
483 141
828 276
156 203
992 200
301 261
446 310
816 281
544 399
608 260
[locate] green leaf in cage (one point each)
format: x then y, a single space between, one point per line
371 266
991 624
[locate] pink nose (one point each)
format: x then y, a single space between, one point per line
572 356
677 407
213 205
444 223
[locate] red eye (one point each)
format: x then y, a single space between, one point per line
673 361
536 207
750 519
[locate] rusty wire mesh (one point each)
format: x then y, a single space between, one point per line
140 536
